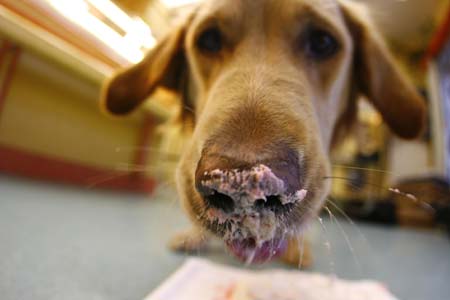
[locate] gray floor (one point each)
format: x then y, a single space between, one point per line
68 243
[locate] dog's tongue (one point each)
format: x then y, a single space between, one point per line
247 251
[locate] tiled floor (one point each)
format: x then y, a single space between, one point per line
68 243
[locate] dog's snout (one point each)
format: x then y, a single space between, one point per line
229 184
215 199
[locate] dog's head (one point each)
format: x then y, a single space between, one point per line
272 84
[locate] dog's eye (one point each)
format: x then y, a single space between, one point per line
210 41
320 44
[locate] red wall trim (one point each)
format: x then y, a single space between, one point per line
439 39
23 163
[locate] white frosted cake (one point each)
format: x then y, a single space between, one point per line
199 279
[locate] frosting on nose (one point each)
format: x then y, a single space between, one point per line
245 187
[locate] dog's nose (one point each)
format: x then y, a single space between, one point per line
218 200
229 184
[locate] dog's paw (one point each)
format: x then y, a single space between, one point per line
297 254
192 240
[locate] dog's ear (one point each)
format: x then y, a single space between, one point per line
380 79
163 66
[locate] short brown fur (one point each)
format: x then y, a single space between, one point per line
261 91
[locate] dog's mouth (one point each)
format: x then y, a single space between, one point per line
250 251
252 235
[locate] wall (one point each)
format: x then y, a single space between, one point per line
51 126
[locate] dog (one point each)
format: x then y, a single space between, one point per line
271 86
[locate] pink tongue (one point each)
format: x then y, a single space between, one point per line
246 250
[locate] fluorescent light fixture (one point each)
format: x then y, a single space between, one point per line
178 3
113 12
131 46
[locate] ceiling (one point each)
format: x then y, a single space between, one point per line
408 23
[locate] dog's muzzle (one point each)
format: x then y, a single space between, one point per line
248 200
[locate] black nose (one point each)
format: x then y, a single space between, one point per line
272 203
225 203
219 201
229 184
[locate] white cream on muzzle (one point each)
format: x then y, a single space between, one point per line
245 187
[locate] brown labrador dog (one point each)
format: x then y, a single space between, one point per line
273 84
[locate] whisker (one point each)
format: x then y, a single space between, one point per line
102 178
350 246
250 259
271 250
168 185
125 167
301 248
362 169
350 180
411 197
169 155
272 247
347 217
130 167
327 244
423 204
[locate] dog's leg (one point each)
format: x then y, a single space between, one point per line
191 240
298 253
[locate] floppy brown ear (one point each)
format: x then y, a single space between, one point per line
163 66
380 79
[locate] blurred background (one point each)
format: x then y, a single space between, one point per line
70 176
